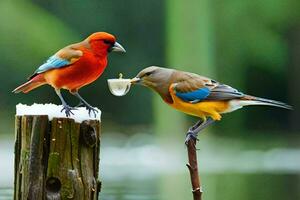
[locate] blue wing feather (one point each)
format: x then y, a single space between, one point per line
194 96
52 63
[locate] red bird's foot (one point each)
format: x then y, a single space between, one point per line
86 105
68 110
90 109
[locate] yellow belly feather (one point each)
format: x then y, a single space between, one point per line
202 109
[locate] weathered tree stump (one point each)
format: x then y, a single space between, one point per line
56 159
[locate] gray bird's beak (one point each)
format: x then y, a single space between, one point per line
135 80
117 48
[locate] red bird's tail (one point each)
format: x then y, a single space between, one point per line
31 84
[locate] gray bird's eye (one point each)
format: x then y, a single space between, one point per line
148 74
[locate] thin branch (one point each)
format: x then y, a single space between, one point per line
193 168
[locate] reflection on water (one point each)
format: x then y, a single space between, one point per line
216 186
235 186
139 169
130 190
6 193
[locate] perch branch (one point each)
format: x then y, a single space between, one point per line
193 169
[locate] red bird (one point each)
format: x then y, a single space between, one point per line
73 67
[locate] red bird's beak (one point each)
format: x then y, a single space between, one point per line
117 48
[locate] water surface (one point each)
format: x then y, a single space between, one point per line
139 169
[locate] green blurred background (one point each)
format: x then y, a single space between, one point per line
251 45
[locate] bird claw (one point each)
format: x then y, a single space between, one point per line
68 110
190 136
88 108
91 109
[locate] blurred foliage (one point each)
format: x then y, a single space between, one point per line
37 29
252 54
245 44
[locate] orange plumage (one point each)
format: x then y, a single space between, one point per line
74 66
82 72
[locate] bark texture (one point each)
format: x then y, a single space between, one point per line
56 159
193 169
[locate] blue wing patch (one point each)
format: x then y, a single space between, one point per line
194 96
52 63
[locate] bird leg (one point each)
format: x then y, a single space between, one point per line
195 129
86 104
79 105
68 109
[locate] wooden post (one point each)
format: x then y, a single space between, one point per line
193 168
56 159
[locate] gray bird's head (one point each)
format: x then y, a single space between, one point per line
153 77
156 78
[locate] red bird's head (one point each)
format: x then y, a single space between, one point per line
102 43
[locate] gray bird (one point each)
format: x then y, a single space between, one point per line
197 95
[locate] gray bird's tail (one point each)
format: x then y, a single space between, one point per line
251 100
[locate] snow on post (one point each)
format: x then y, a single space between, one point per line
53 110
56 157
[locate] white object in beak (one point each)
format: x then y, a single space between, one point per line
119 87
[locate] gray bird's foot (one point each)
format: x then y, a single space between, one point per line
197 128
68 110
191 135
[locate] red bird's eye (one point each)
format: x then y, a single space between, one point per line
107 42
